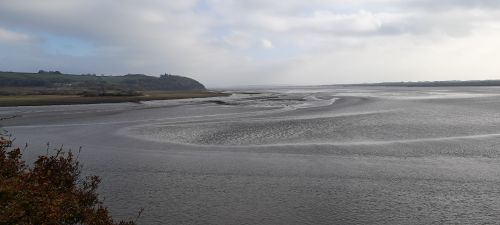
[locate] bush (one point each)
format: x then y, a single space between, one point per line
49 192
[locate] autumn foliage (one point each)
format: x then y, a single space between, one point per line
51 191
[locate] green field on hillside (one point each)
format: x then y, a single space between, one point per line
87 82
56 88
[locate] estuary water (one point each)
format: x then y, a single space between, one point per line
291 155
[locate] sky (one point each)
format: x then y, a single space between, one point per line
224 43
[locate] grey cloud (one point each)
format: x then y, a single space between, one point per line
453 4
232 41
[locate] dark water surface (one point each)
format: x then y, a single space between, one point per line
317 155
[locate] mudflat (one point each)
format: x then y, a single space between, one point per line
312 155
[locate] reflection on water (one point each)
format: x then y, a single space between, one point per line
313 155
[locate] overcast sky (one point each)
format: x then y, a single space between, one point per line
241 42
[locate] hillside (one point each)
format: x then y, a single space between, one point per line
56 88
57 81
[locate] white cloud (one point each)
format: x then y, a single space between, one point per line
266 43
322 21
7 36
239 40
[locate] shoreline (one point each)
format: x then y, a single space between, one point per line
43 100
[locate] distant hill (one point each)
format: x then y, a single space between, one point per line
55 80
451 83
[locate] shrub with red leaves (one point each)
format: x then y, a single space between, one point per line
49 192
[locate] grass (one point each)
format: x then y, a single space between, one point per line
37 100
57 80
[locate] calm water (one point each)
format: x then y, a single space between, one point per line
317 155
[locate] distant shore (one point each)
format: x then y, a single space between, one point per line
38 100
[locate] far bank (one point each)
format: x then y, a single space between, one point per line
38 100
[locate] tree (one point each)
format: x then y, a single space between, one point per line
49 192
49 72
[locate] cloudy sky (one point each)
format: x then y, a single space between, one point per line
240 42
